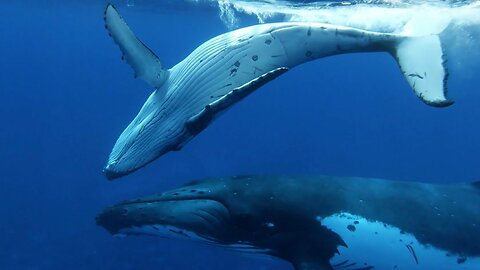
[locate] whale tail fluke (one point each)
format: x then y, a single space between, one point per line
423 64
422 60
144 62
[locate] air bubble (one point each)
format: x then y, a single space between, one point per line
269 225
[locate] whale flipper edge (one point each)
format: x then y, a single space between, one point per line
144 62
200 121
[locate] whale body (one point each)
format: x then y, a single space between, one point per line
229 67
317 223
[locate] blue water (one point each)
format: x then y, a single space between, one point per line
65 96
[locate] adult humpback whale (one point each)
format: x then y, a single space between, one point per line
227 68
318 223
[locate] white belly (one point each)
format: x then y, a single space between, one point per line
379 245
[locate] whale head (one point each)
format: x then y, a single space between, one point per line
172 215
156 130
216 211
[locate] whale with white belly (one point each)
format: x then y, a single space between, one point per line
317 223
227 68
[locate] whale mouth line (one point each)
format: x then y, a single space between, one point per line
167 200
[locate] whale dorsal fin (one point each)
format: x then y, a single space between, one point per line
144 62
201 120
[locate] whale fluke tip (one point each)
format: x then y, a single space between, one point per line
423 64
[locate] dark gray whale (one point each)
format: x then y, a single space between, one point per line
318 222
229 67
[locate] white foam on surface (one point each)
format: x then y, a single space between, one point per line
370 15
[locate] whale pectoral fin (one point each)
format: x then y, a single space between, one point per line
200 121
144 62
423 64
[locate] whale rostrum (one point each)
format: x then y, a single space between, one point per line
229 67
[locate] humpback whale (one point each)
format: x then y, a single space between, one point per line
229 67
317 223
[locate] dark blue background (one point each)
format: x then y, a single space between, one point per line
65 96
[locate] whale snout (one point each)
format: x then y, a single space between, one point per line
156 130
111 173
129 155
136 147
116 168
157 215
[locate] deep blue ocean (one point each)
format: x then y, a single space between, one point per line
65 96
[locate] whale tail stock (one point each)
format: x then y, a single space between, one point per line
419 54
422 60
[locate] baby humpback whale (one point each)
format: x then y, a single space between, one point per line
227 68
318 223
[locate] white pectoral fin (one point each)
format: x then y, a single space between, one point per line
144 62
200 121
423 64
